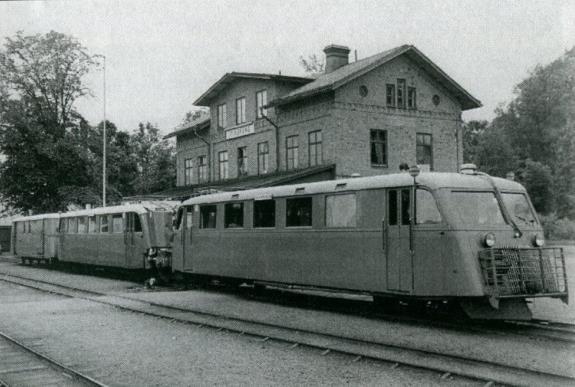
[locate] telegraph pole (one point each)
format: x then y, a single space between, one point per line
104 144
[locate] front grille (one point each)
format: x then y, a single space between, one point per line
524 271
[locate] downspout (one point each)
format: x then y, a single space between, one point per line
277 129
209 144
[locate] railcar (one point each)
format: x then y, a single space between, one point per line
466 238
135 236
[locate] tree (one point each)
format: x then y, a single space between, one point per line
155 160
472 134
40 79
312 65
534 135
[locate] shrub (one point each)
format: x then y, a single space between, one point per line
558 228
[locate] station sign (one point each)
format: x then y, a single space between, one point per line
240 131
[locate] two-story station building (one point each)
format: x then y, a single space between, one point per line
365 117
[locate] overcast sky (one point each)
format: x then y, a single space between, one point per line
162 55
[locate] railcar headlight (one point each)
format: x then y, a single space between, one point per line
489 240
538 240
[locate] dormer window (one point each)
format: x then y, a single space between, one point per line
222 116
241 110
261 101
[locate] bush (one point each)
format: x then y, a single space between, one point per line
558 229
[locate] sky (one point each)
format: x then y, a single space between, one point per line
162 55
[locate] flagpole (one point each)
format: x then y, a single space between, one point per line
104 144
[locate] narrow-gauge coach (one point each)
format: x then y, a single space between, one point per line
135 236
469 238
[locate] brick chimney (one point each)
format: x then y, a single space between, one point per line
335 57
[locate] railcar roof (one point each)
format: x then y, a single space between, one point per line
140 208
432 180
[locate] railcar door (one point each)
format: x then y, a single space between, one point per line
398 236
134 242
187 223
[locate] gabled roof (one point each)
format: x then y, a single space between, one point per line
200 123
228 78
345 74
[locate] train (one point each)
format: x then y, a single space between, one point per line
131 237
465 238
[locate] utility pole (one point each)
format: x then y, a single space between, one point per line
104 144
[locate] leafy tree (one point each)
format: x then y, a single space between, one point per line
472 134
40 79
155 160
312 65
538 180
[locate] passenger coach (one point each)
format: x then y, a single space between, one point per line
472 238
131 236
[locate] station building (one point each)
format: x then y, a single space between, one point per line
360 118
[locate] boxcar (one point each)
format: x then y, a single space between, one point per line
440 236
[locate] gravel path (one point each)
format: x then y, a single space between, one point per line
127 349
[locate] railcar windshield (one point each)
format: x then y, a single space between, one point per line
518 207
476 208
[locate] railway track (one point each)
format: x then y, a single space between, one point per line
447 365
21 365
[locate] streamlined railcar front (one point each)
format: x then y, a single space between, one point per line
500 241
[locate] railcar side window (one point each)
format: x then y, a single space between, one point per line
234 215
92 225
340 210
476 208
426 211
103 223
72 225
392 208
82 225
405 203
208 216
265 213
63 226
137 223
117 224
298 212
189 216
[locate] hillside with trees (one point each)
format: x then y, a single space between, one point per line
534 137
52 157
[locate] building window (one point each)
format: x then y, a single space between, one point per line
222 116
315 148
223 165
208 216
263 157
261 101
340 210
234 215
241 110
298 212
390 95
202 169
188 170
423 151
292 154
264 213
411 98
401 93
378 140
242 161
